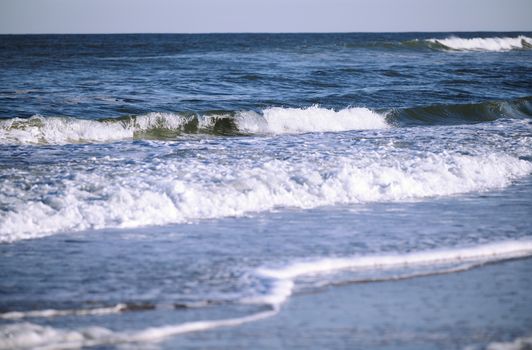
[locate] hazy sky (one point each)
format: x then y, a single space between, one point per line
205 16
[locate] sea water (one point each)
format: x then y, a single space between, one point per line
155 186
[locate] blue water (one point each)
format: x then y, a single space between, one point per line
163 191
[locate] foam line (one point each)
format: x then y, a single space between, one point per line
151 334
283 279
13 315
36 337
486 253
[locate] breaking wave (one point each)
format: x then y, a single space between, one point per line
275 120
453 42
483 44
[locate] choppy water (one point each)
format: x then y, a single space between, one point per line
145 176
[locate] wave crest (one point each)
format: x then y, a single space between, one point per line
278 120
462 113
484 44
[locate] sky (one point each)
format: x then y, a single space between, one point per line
212 16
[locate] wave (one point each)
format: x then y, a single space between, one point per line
160 198
462 113
274 120
449 43
313 119
277 287
521 343
482 44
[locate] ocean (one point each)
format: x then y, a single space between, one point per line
266 191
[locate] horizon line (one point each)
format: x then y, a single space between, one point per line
259 32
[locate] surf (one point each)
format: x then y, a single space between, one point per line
214 191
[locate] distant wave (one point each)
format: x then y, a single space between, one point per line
484 44
275 120
450 43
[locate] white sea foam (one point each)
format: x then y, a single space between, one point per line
38 129
32 336
62 130
523 343
282 279
14 315
484 253
313 119
485 44
201 191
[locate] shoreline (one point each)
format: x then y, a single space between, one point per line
469 309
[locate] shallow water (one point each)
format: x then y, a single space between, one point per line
157 185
